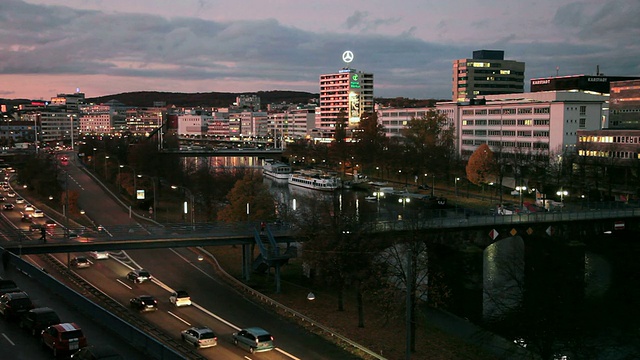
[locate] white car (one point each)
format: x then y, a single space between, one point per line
99 255
19 200
37 213
11 194
180 298
29 207
199 337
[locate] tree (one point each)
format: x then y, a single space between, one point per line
430 143
251 192
370 139
481 166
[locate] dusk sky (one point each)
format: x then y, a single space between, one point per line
106 47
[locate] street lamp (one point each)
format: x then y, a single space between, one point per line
186 210
562 194
70 116
153 183
134 178
106 157
520 189
93 160
456 185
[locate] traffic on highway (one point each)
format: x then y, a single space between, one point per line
176 291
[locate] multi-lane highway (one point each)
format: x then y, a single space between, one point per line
216 305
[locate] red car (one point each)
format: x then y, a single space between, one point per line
65 338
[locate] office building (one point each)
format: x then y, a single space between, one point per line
599 84
624 105
347 93
486 73
541 123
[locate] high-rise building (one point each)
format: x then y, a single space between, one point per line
593 83
347 93
487 73
624 105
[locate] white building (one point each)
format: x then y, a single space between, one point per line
96 119
194 123
292 124
394 120
542 123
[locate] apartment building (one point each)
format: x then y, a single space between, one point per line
292 124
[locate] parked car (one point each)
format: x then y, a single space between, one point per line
8 286
38 319
144 303
199 337
13 305
139 275
97 352
37 213
254 339
180 298
99 255
80 262
63 338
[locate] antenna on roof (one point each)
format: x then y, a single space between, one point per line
557 70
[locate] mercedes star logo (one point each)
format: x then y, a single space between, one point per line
347 56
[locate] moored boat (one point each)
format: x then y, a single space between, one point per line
276 170
315 180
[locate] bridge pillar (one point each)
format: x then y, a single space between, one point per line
246 262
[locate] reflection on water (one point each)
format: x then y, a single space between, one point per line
503 277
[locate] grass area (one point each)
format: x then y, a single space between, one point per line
383 332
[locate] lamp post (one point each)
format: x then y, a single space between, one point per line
93 160
153 183
191 199
456 185
106 157
520 189
562 194
70 116
134 178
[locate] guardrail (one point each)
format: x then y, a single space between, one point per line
287 310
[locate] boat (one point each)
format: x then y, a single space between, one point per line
276 170
315 180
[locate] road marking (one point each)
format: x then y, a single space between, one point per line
179 318
120 281
9 340
286 354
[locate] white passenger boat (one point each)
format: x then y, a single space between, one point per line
276 170
315 180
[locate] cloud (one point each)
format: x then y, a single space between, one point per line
136 49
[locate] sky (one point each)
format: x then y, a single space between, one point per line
104 47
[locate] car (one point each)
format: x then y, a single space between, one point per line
97 352
25 218
64 338
254 339
8 206
28 207
2 198
37 213
80 262
13 305
11 194
180 298
99 255
139 276
199 337
36 227
50 223
19 200
144 303
8 286
38 319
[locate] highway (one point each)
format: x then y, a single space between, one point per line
216 305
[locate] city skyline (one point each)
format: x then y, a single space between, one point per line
107 47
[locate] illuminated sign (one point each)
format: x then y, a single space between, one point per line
540 82
140 194
347 56
355 81
354 109
591 79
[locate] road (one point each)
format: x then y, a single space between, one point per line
217 305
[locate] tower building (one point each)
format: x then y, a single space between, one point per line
487 73
347 93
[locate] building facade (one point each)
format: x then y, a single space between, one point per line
486 73
624 105
347 93
542 123
599 84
